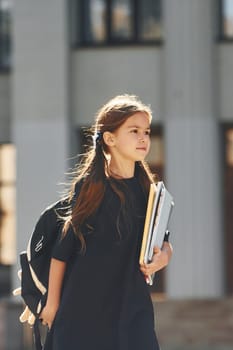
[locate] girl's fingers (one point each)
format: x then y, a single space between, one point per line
156 250
43 321
147 271
47 324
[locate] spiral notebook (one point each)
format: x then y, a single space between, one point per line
159 209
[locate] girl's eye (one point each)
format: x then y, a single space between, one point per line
135 131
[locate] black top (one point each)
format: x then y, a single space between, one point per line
105 303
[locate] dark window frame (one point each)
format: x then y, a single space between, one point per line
78 23
5 43
227 185
222 36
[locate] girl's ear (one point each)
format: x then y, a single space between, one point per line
109 138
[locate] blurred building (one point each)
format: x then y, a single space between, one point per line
61 60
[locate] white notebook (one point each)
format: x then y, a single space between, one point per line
159 208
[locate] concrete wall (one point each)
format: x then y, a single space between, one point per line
225 80
100 74
192 151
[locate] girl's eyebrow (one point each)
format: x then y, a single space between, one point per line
137 127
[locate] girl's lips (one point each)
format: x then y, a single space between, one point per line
141 148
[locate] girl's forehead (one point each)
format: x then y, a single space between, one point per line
140 119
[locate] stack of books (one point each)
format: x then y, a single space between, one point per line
159 208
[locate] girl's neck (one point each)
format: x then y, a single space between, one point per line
121 172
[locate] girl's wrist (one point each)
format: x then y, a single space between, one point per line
167 249
52 305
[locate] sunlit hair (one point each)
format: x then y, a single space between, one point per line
93 169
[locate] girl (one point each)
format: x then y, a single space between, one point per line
97 296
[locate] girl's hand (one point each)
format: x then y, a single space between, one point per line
160 259
47 315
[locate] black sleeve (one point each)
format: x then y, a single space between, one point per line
65 246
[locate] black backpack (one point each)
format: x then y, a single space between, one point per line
35 264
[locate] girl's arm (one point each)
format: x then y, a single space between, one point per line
56 275
160 259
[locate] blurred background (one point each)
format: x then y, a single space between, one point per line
60 60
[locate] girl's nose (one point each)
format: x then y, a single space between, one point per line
142 138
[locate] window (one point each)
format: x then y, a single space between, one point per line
229 147
7 204
226 19
5 34
228 204
121 20
115 22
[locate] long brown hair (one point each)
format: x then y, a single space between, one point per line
93 169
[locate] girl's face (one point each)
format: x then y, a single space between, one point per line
131 142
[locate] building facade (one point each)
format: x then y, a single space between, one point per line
67 58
